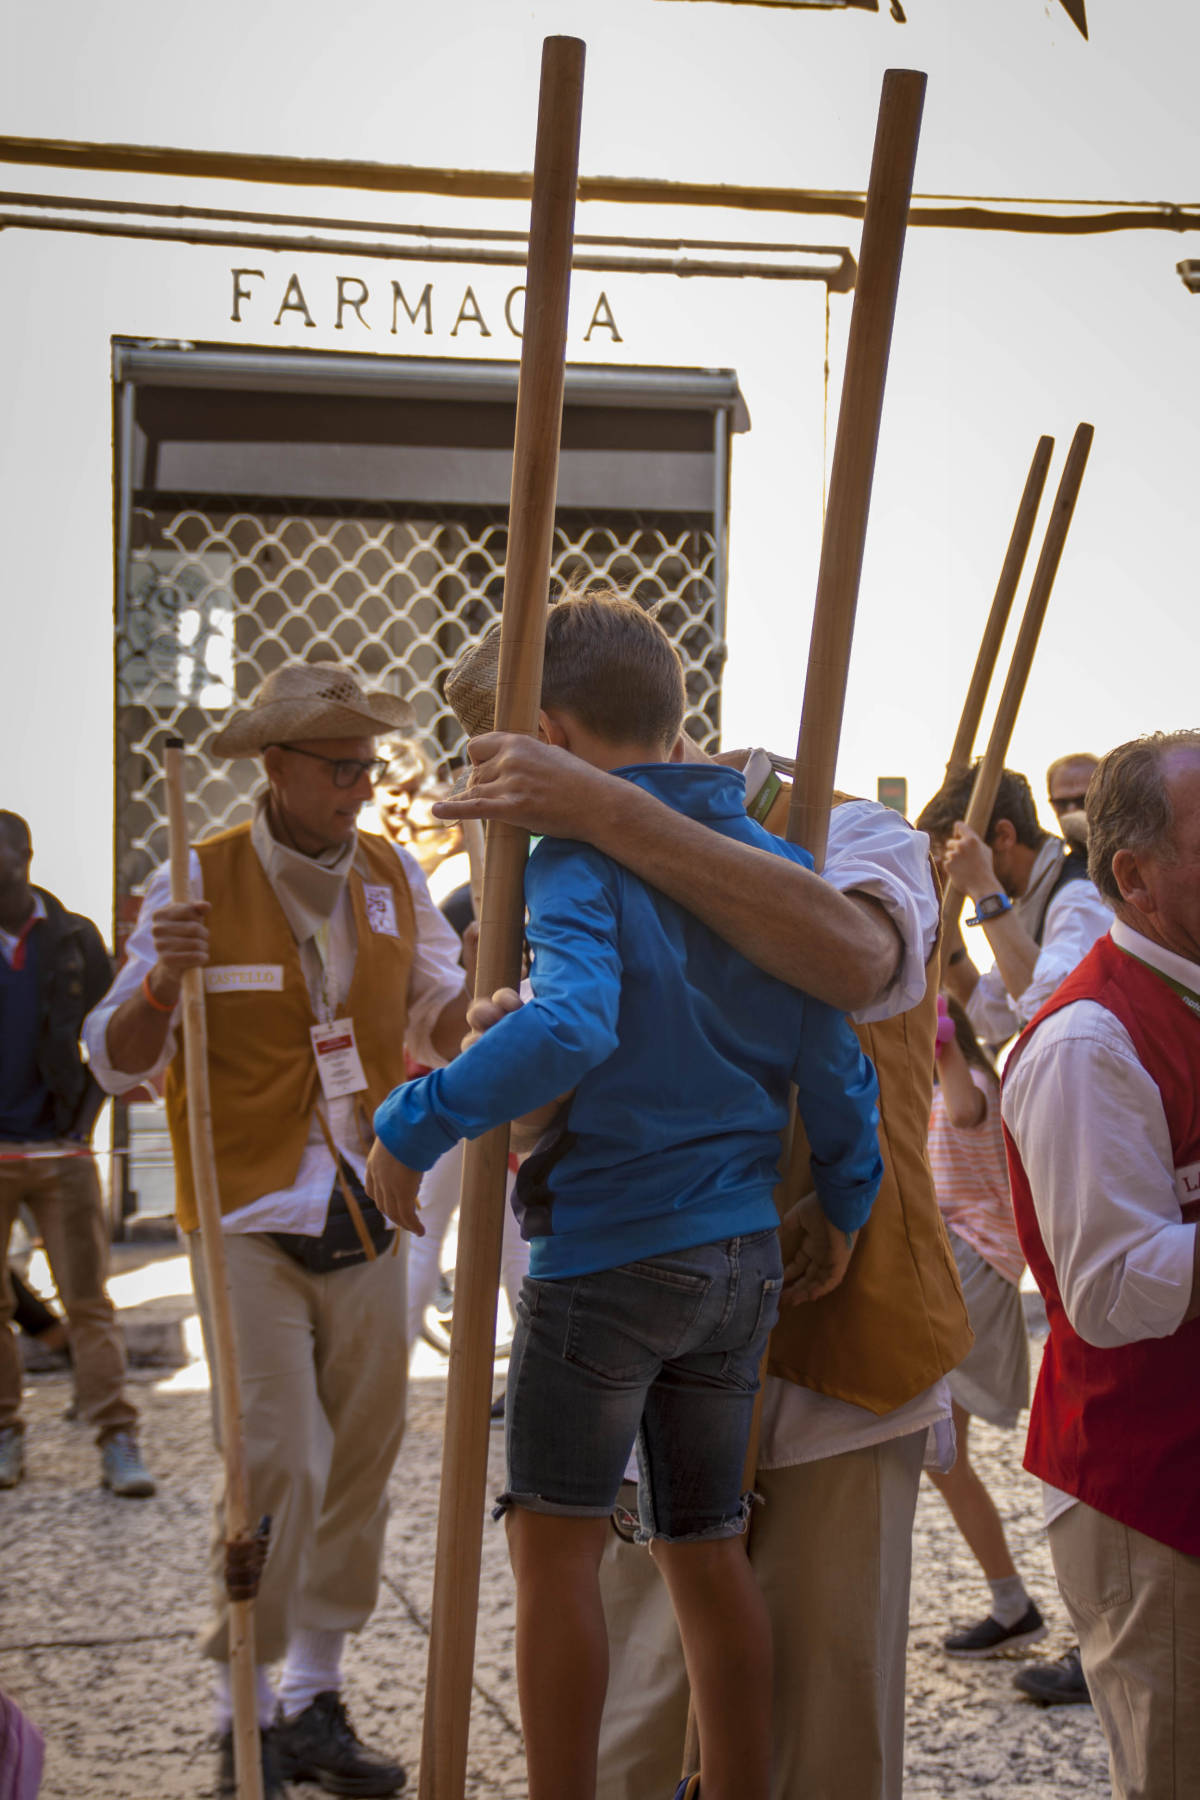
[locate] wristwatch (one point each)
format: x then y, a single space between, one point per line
990 907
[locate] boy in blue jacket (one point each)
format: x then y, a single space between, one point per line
655 1269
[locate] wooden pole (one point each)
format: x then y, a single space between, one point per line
844 538
991 767
518 694
993 631
247 1749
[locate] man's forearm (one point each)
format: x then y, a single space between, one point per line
136 1036
842 948
1015 952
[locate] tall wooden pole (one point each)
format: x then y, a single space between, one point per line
247 1750
884 222
991 767
993 631
518 693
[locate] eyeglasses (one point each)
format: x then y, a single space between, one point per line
1067 803
347 770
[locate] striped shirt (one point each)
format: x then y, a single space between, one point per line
970 1177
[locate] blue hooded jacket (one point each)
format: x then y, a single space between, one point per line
679 1052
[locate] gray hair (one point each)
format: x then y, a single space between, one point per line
1129 806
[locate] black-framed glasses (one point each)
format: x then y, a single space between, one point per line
347 770
1068 803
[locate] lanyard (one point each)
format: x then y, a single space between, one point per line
1189 996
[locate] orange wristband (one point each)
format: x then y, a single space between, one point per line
148 993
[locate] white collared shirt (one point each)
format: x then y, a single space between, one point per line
1076 917
871 850
10 939
436 979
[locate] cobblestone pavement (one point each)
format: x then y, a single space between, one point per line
100 1600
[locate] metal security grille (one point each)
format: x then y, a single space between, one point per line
219 594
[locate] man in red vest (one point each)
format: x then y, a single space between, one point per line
1101 1106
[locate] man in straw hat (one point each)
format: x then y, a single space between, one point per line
854 1402
323 955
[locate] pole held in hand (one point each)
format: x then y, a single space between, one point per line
501 918
245 1548
993 631
844 538
991 767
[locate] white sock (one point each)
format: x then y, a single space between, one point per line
223 1697
313 1666
1009 1599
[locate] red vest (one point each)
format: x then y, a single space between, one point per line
1120 1428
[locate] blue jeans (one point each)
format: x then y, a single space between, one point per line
664 1353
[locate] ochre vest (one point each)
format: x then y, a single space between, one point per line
261 1068
1120 1427
897 1322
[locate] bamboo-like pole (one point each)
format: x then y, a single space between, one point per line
993 632
884 222
991 767
518 694
843 540
247 1748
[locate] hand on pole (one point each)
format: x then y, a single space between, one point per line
180 937
967 863
482 1013
393 1188
816 1254
521 781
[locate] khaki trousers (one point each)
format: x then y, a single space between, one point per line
1136 1606
832 1549
324 1369
63 1194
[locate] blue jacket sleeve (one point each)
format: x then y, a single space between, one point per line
836 1095
534 1055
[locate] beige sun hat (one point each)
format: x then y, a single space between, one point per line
302 701
470 687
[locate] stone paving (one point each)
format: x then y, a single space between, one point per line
100 1600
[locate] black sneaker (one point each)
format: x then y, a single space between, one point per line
321 1745
991 1638
273 1788
1060 1683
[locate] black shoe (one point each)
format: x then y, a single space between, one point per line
273 1788
1060 1683
990 1637
496 1415
321 1745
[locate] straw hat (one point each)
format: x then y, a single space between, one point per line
302 701
470 687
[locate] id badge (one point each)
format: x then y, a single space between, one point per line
338 1061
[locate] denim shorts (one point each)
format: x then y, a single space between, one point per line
663 1353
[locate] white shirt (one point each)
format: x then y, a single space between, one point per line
1074 919
435 980
10 939
1088 1122
872 851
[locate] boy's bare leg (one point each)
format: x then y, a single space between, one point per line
562 1648
972 1507
726 1636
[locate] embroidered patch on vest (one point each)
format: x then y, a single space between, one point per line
235 978
380 905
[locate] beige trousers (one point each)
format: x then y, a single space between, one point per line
63 1194
832 1549
1136 1606
324 1370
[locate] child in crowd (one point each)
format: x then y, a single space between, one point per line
655 1271
970 1176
